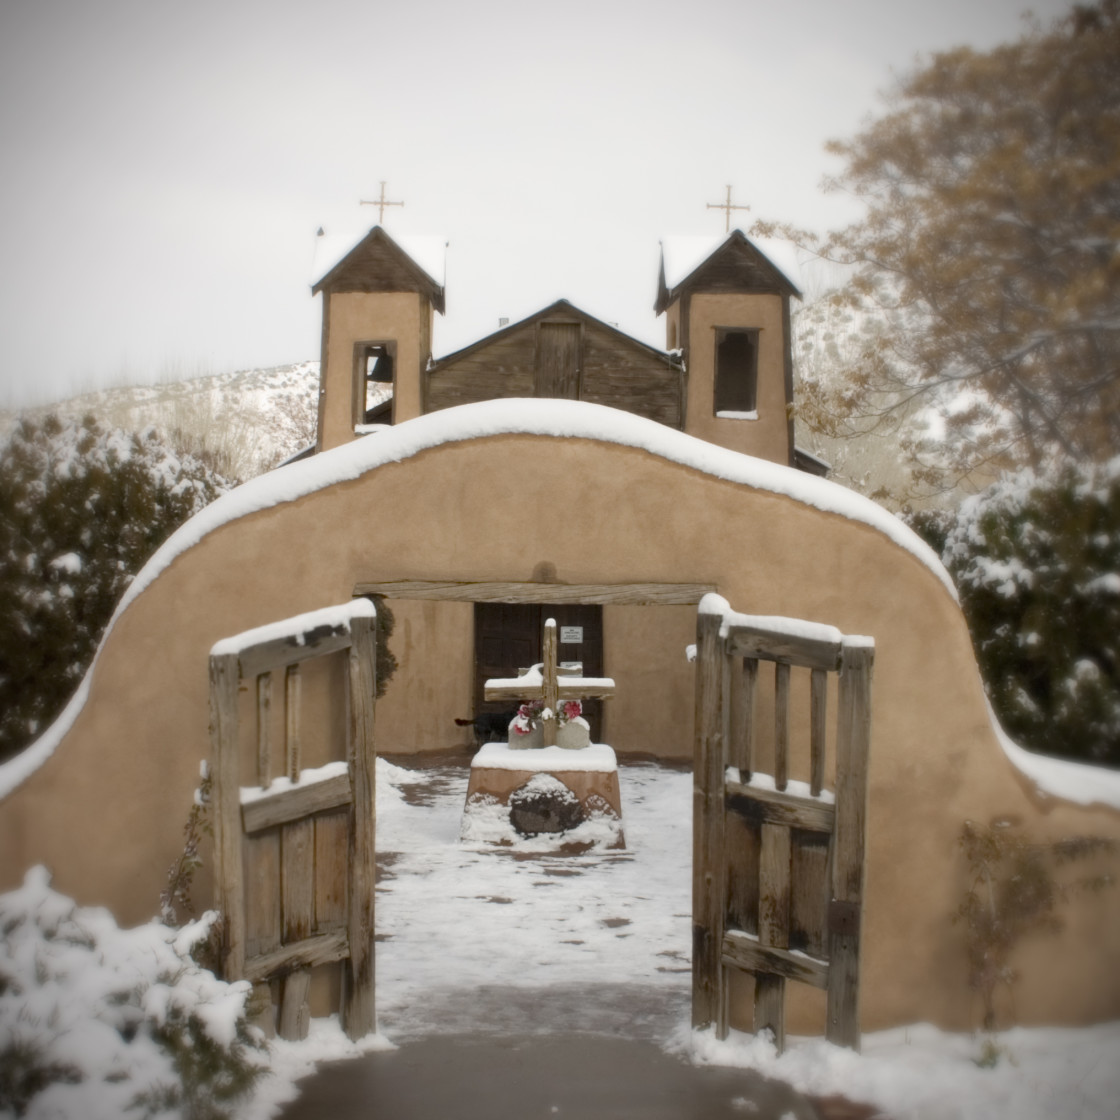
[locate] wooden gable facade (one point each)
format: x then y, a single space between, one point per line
726 376
378 264
562 352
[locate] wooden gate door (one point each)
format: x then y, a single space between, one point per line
294 856
778 864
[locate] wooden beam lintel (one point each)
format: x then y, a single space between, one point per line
466 591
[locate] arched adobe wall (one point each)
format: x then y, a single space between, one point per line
105 810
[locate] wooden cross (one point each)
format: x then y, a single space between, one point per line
382 202
726 207
553 687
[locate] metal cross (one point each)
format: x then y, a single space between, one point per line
726 207
382 202
552 687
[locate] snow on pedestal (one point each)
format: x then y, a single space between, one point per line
518 795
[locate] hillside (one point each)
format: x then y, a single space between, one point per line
241 423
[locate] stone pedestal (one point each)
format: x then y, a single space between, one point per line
539 783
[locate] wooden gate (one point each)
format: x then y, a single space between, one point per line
778 864
294 855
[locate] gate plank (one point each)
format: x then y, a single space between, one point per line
818 725
740 751
809 893
295 1009
292 721
773 927
262 902
773 886
264 730
297 876
742 840
781 725
331 869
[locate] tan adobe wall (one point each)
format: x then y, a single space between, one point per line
105 811
353 317
644 651
433 643
768 436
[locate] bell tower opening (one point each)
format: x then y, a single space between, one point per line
736 380
376 366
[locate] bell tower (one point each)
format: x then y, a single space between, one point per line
727 310
378 308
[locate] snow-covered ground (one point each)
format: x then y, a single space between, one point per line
478 940
472 939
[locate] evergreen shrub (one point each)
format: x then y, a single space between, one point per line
1036 560
82 507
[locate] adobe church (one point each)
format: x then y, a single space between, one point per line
561 468
726 377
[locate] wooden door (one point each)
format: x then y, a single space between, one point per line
558 360
507 638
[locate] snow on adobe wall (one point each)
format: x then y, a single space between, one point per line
550 418
517 416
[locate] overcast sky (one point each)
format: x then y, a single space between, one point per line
165 165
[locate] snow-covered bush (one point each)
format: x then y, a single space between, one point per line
82 507
1036 559
99 1023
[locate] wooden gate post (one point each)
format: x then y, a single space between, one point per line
224 679
359 1013
853 736
708 826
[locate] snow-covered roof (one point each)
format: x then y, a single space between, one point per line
426 250
682 256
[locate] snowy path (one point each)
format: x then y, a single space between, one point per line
474 939
480 941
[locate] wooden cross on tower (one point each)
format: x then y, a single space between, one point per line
382 202
726 207
552 687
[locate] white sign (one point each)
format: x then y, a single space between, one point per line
571 634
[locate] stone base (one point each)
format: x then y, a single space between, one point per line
498 772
